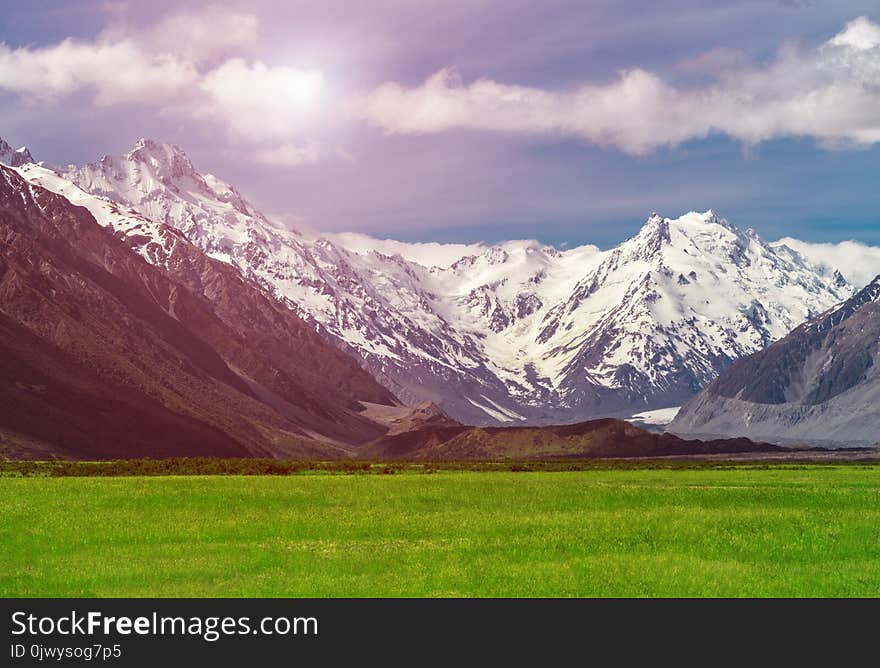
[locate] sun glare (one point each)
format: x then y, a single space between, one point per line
303 89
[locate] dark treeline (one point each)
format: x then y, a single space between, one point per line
212 466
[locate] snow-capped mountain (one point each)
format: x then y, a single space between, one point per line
507 333
105 354
668 309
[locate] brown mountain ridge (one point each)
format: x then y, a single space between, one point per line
104 355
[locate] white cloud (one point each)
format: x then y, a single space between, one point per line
860 34
190 64
154 63
115 72
262 102
831 94
179 66
858 262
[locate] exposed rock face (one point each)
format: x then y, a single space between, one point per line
818 384
14 157
105 355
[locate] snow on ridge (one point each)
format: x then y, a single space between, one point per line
427 254
659 416
500 416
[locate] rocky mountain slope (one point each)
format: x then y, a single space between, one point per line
103 354
819 384
605 437
512 333
14 157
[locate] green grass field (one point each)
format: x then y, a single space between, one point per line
741 531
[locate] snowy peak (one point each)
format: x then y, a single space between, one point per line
693 229
151 170
158 181
650 239
678 302
171 165
710 218
165 159
14 157
707 224
154 146
22 156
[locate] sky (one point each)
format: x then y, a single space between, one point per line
444 120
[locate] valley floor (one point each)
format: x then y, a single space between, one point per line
745 530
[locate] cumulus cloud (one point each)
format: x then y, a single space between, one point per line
114 72
192 64
831 94
860 34
858 262
260 101
154 63
182 65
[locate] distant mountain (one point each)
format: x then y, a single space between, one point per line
506 334
104 355
820 383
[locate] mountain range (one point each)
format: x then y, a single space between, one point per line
517 332
335 339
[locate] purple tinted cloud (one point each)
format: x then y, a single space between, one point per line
296 103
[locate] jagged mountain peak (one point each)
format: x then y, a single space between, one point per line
650 239
152 144
14 157
677 302
708 217
695 237
24 154
150 165
167 159
660 231
711 217
155 147
158 180
867 295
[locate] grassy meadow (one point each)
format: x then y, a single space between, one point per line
782 530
